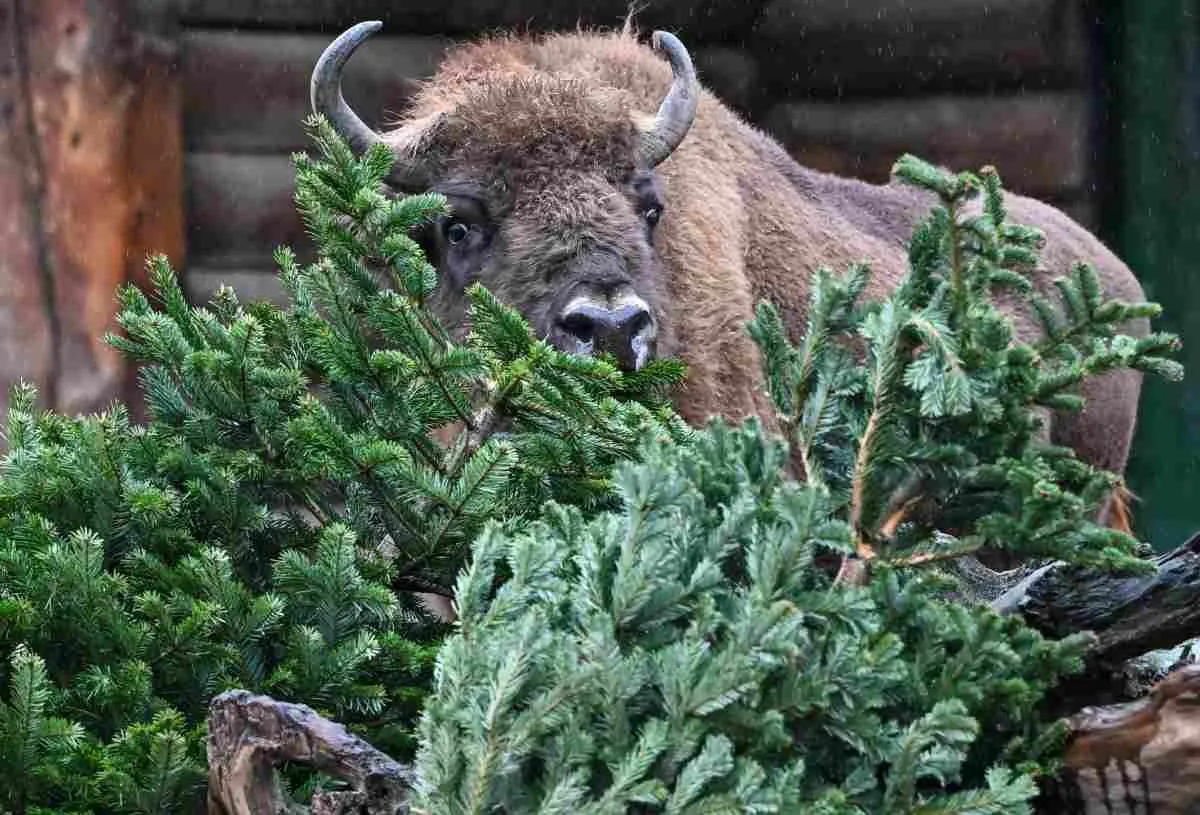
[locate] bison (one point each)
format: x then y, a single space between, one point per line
604 193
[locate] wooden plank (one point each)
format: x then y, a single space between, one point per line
870 46
718 19
248 91
240 208
155 175
1037 141
81 94
202 282
26 332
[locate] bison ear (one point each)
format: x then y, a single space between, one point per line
678 110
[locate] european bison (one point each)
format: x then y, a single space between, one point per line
577 199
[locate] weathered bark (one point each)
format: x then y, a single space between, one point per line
248 736
90 131
1129 615
1139 757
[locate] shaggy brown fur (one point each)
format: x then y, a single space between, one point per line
541 134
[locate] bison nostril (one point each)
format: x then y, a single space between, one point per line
637 324
579 326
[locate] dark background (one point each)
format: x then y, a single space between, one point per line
135 126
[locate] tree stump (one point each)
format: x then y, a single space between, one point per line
249 736
1139 757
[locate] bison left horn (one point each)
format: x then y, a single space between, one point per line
678 109
325 89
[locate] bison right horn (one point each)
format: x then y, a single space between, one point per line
678 109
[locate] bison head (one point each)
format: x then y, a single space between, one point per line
550 179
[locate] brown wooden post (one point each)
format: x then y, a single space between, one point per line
94 138
26 334
154 156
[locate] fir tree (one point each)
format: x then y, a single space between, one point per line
304 470
932 447
693 651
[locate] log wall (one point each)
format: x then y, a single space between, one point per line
846 87
131 126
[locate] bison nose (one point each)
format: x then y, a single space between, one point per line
623 329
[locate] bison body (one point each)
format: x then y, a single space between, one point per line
567 207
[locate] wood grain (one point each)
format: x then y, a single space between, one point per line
833 46
27 337
1038 141
248 91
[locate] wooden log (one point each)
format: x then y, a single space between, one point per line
1129 615
249 736
717 19
1136 758
1039 141
27 332
240 208
833 47
248 91
1129 759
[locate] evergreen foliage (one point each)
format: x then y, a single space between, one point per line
934 448
304 470
729 640
653 619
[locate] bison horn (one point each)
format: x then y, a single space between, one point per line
325 89
678 109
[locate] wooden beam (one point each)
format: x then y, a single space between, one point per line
869 46
1038 141
81 96
91 123
27 334
725 20
248 91
240 208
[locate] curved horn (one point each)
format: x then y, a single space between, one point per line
325 89
678 109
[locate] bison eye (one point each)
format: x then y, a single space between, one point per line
457 231
652 214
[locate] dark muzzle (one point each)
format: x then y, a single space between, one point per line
619 325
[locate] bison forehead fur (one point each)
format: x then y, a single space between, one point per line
545 131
